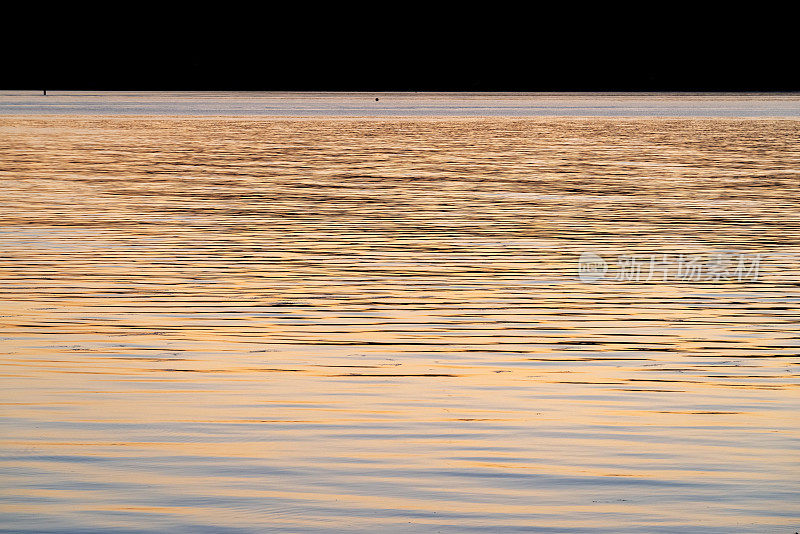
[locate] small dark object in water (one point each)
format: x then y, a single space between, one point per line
376 99
44 92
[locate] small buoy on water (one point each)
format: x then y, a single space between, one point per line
44 92
376 99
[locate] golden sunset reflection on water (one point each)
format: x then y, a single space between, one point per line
376 324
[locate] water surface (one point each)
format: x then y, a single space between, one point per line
325 324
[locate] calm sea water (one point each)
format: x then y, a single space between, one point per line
320 324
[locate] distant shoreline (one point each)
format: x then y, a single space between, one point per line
399 104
